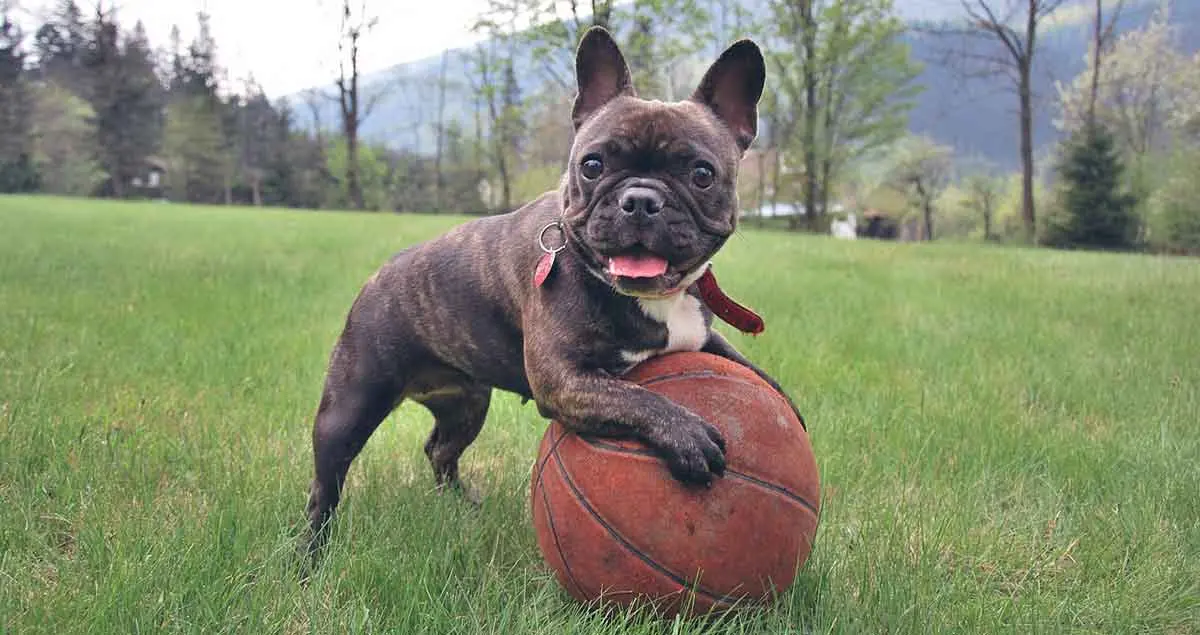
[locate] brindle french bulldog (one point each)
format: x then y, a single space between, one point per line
556 300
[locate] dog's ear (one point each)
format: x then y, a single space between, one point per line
732 87
601 72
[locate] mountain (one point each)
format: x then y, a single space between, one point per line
974 115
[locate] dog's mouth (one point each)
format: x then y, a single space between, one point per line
638 264
641 273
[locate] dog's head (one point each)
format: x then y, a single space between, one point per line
651 187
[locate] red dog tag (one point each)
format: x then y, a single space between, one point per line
544 266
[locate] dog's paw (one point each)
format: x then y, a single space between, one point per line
467 493
693 449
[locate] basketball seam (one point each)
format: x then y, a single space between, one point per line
550 515
623 541
689 374
542 466
612 447
790 495
606 445
554 534
708 374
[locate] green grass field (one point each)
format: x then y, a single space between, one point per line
1008 438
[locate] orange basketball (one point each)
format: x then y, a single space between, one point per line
615 526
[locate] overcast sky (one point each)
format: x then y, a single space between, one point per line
290 45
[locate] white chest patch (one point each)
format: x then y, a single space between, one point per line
681 315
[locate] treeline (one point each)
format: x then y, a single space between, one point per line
92 108
89 107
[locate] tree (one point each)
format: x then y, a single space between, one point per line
259 145
353 107
373 173
313 151
196 70
662 34
779 124
64 143
798 19
1101 35
1013 27
729 20
1177 209
299 176
279 172
492 80
17 172
1146 91
126 97
175 71
60 44
845 80
196 143
983 194
439 184
1094 212
194 147
550 131
550 30
659 36
1186 118
922 170
141 99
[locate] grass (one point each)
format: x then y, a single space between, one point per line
1008 438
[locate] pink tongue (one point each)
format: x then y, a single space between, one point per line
637 266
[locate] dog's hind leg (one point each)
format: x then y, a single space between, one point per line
352 406
459 407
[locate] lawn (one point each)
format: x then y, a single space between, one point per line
1008 438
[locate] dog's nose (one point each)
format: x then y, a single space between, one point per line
643 200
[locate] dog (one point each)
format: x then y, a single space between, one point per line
558 299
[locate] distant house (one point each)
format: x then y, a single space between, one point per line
148 181
151 180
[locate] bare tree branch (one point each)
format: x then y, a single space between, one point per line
1020 47
993 25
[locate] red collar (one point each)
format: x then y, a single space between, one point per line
724 307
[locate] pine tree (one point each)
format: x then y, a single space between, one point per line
1094 211
195 142
282 169
60 44
17 173
257 144
126 98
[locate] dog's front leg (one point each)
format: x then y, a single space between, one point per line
718 345
592 402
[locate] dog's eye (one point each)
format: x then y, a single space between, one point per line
591 168
703 175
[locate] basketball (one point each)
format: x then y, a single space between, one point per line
616 527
